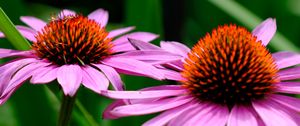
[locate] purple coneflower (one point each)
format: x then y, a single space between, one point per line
73 49
228 78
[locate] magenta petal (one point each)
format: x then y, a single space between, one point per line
28 33
33 22
134 66
242 116
273 114
9 53
265 31
142 36
94 79
69 77
288 87
165 117
147 108
66 12
107 112
149 55
216 116
117 32
289 73
286 59
290 102
100 16
22 75
44 75
141 45
112 75
142 94
175 47
172 75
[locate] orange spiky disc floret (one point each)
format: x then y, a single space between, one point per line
229 67
73 40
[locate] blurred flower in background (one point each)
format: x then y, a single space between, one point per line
228 78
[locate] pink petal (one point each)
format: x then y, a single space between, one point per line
134 66
216 116
265 31
290 102
141 45
175 47
22 75
33 22
112 75
94 79
289 74
69 77
66 12
107 112
28 33
288 87
117 32
172 75
100 16
44 75
163 87
142 94
286 59
273 114
10 53
147 108
4 98
142 36
165 117
241 115
149 55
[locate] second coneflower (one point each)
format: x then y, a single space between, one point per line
73 49
228 78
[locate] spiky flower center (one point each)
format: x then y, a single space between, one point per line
229 67
72 39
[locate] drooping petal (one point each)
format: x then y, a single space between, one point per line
289 74
153 107
163 87
69 77
265 31
23 74
273 114
44 75
165 117
10 53
149 55
134 66
112 75
172 75
33 22
288 87
142 94
107 112
215 117
242 116
175 47
286 59
100 16
141 45
117 32
290 102
94 79
66 12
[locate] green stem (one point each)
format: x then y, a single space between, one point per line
66 110
11 33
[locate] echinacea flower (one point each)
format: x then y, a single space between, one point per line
229 78
73 49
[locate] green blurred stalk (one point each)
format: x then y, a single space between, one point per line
240 13
11 33
66 110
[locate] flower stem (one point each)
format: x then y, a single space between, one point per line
66 110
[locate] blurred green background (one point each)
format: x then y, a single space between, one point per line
174 20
